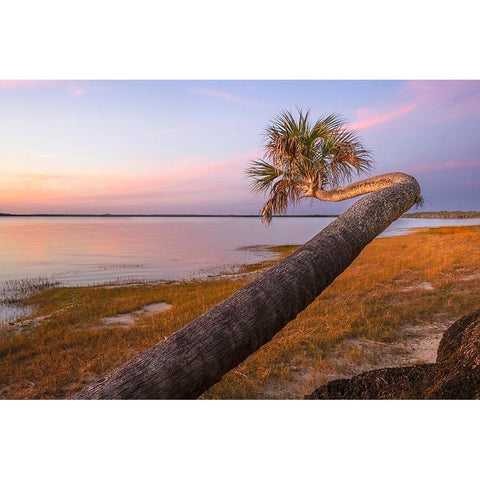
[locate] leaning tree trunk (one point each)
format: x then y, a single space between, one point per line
196 357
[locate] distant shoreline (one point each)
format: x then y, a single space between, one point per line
441 214
168 215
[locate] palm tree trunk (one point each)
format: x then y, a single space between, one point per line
196 357
362 187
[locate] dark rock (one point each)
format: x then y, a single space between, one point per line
455 375
452 338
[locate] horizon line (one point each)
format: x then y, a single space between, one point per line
151 215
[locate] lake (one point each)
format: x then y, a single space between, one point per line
99 250
94 250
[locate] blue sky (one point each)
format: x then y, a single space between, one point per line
183 146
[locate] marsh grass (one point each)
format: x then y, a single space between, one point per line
13 291
381 291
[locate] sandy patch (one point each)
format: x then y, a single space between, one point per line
473 276
418 286
418 344
20 324
129 318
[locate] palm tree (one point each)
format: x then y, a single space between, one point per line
301 160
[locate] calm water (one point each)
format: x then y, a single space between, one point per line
86 251
81 251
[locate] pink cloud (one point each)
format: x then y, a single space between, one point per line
444 100
75 89
14 84
71 87
463 108
367 117
435 167
214 93
434 101
187 183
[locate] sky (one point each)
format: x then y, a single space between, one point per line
147 147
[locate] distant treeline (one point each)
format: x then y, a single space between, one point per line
441 214
168 215
444 214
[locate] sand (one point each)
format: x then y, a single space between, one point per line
129 318
418 344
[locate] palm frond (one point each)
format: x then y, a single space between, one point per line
282 194
263 175
299 155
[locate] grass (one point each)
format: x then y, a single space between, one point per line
378 294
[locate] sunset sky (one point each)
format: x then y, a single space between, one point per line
183 146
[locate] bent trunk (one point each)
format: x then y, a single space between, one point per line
368 185
196 357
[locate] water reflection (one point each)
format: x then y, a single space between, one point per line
80 251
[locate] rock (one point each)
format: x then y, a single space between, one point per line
452 338
455 375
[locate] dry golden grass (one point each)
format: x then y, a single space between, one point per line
398 280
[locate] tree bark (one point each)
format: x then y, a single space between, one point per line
362 187
196 357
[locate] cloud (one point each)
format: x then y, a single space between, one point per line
189 182
445 100
215 93
436 167
74 88
368 117
22 84
433 101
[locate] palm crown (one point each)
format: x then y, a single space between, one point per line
301 158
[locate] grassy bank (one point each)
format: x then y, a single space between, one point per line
432 274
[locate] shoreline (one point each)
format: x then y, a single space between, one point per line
160 215
441 214
22 289
65 269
